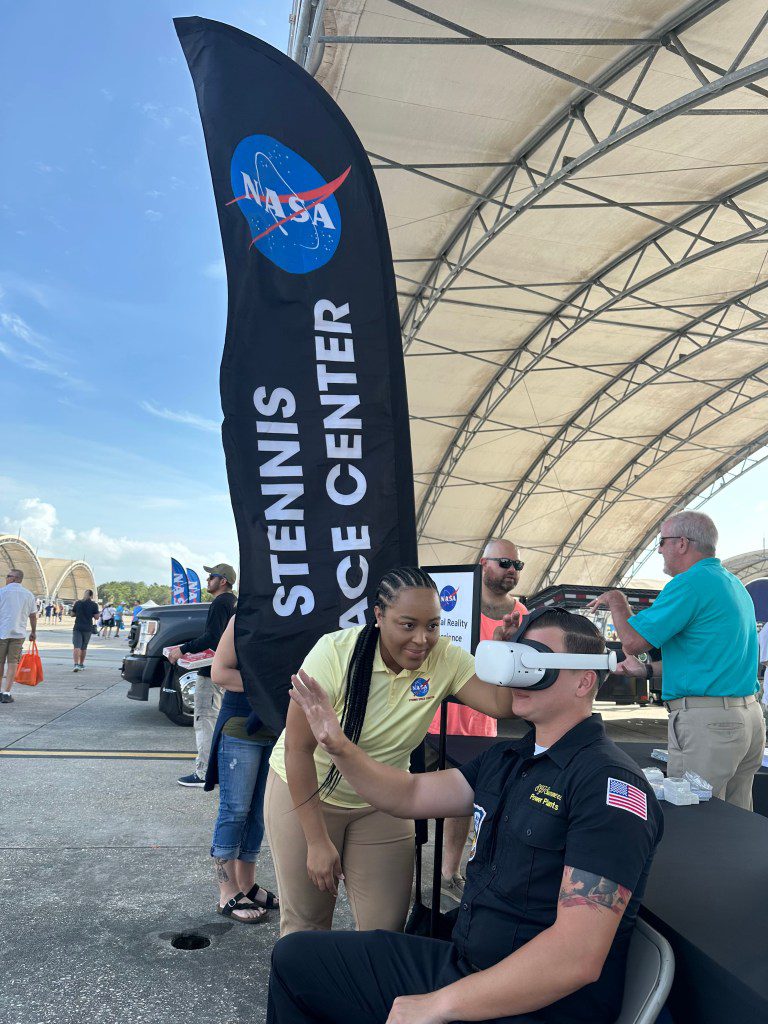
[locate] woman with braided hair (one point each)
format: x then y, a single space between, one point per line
385 680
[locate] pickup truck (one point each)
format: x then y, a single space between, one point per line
145 667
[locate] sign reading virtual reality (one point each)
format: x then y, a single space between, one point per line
315 430
459 589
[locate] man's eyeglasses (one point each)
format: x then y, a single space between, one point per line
670 537
506 563
215 576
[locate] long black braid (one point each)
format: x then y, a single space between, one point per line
361 663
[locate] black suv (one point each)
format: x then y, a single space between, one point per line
145 667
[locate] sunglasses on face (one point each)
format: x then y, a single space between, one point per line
506 563
215 576
662 540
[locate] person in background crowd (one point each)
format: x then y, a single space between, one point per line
16 605
555 881
704 623
84 612
60 611
107 619
762 646
501 574
221 580
119 609
239 763
48 613
384 679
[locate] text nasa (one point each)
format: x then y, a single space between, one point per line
345 483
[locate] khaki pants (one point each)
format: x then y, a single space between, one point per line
10 652
721 738
377 855
208 698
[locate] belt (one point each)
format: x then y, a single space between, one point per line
709 702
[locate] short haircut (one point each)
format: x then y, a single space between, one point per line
88 593
581 635
18 573
697 528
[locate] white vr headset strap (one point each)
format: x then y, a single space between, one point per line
509 664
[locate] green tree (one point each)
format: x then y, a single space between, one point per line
131 592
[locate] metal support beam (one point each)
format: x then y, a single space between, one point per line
667 357
724 402
702 490
591 301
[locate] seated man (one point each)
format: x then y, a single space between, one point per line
566 827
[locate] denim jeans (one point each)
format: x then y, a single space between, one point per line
243 767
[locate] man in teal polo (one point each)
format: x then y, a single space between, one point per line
704 623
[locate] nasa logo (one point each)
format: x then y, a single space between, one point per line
420 687
448 598
291 210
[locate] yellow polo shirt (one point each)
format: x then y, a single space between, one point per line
400 705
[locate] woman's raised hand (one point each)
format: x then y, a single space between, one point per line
322 719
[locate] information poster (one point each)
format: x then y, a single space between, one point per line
459 590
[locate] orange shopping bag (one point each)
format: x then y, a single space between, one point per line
30 667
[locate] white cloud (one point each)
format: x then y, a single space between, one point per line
111 557
36 521
29 362
188 419
216 270
108 95
153 215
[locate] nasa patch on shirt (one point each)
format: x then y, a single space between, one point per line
478 818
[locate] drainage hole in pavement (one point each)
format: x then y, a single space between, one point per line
188 940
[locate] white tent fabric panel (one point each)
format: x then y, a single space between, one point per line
579 235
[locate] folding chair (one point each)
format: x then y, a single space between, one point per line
650 970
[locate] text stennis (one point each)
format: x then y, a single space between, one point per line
345 483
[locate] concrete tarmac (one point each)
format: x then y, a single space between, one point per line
104 860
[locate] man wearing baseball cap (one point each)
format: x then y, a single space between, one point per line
221 580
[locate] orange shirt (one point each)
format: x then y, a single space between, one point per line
464 721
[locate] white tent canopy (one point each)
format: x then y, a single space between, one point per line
579 234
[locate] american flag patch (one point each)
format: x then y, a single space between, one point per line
628 798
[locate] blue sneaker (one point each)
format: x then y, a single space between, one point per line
191 781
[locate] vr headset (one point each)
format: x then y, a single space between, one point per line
530 665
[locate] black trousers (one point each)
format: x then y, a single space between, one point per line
354 977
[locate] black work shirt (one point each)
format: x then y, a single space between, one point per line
221 611
534 816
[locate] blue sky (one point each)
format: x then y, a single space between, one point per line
113 298
112 289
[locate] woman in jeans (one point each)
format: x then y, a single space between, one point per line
239 762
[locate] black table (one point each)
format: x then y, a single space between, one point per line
708 894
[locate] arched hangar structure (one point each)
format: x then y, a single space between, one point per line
68 580
577 199
752 565
15 553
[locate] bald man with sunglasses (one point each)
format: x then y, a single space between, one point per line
501 566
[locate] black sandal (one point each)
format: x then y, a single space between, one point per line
234 904
270 903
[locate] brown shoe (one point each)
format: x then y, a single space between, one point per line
453 887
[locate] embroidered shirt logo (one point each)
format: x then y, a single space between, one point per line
478 818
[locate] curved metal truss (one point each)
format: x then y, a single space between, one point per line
25 559
734 397
77 573
596 297
705 487
668 356
492 213
752 565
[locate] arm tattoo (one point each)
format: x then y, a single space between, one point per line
221 871
583 889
